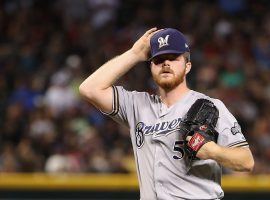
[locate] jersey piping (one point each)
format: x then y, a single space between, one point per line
239 144
115 103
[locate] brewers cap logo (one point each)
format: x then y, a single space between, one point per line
163 41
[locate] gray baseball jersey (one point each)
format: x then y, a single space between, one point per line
163 172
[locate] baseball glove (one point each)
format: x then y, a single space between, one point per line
199 125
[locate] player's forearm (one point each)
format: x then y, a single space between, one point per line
108 73
238 159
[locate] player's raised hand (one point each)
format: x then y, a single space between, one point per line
142 46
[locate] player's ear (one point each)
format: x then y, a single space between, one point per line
188 67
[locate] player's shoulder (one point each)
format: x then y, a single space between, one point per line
218 103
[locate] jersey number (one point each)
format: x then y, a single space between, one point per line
178 147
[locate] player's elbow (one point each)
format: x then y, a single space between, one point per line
249 165
86 92
246 160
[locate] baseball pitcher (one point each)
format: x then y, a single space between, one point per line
180 137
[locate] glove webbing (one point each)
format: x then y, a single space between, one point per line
202 112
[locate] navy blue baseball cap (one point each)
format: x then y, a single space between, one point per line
167 41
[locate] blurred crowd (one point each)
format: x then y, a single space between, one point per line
47 48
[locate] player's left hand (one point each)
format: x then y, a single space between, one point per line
208 150
198 140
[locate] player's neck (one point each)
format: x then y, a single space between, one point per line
172 96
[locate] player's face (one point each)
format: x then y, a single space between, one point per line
168 70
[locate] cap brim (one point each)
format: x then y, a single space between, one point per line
166 52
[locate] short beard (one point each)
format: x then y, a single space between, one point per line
169 85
